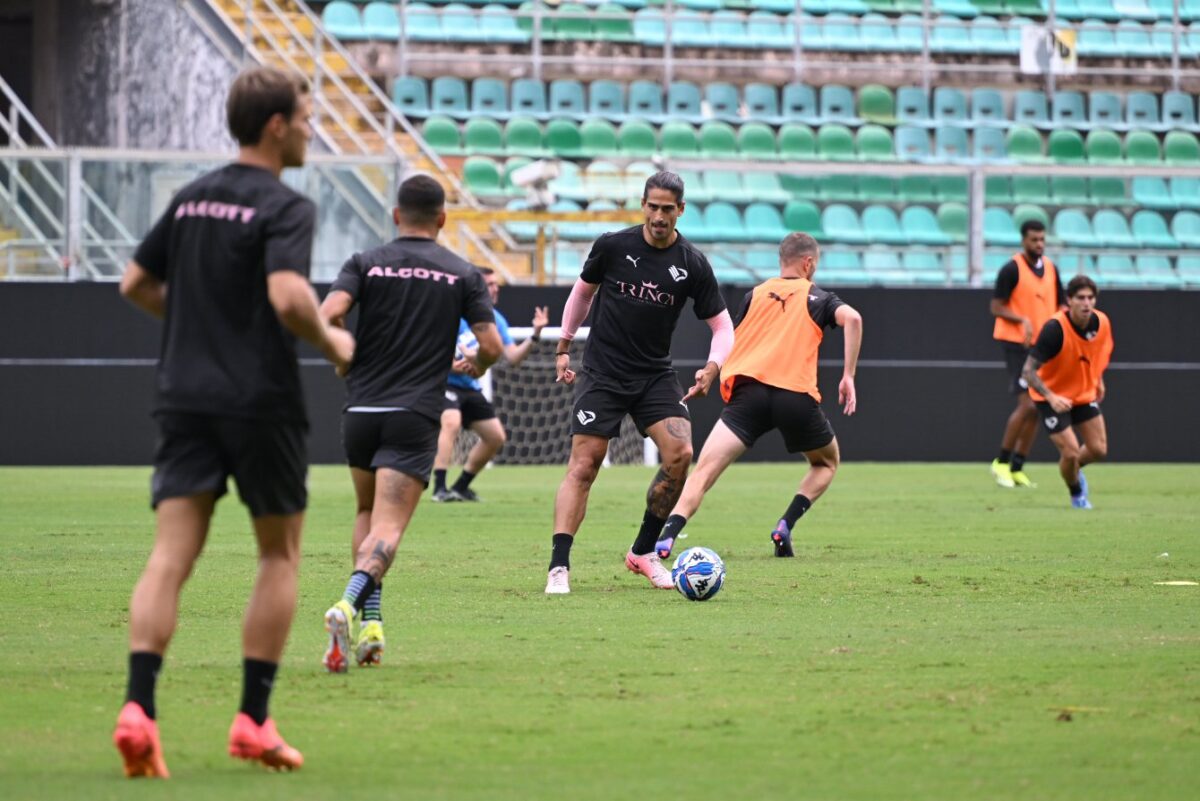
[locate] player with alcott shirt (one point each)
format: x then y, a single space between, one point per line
639 279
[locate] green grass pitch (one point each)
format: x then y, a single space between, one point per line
937 637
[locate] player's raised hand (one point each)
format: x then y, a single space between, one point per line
847 395
562 366
704 378
541 318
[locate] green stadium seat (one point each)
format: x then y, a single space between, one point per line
572 22
1151 191
799 103
498 25
482 177
701 5
442 134
1181 147
1074 229
882 226
563 138
999 228
1141 147
949 107
1108 191
1103 147
718 140
912 144
678 139
459 24
988 145
723 223
489 98
1032 189
636 139
1028 8
963 9
1186 192
797 142
841 224
921 227
874 143
723 101
1066 146
598 138
1030 108
952 219
567 99
877 34
726 185
1156 271
1023 212
989 36
607 99
411 96
613 30
728 29
765 187
1150 230
683 102
343 21
1095 40
801 215
987 108
950 144
912 106
998 190
1141 111
483 136
1068 111
604 179
876 188
646 101
764 223
951 187
800 187
916 189
834 143
756 142
877 104
1179 110
1185 227
765 29
837 188
529 98
837 105
1024 144
523 136
449 96
762 103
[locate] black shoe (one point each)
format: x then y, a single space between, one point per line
465 494
444 496
782 538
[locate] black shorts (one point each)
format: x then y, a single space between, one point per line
756 408
602 401
1056 423
198 453
472 403
403 441
1014 362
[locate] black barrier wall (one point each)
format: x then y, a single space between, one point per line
76 376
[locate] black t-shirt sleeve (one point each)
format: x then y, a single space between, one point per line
349 279
596 263
706 293
824 307
1049 342
477 304
151 254
288 236
745 308
1006 281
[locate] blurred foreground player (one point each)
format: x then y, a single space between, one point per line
226 268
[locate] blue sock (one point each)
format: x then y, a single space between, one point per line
373 610
358 589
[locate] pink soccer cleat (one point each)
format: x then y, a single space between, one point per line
650 566
254 743
136 737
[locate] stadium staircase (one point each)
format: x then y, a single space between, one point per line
353 116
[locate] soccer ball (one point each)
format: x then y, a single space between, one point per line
698 574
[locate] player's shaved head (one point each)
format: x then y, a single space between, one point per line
421 200
257 95
796 246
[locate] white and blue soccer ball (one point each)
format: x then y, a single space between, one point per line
698 574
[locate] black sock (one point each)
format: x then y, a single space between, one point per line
359 589
560 551
439 480
1018 461
464 480
258 678
673 527
143 675
1075 489
648 534
1005 455
796 510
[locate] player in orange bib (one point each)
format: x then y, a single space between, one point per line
770 381
1028 291
1065 372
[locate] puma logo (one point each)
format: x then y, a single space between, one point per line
782 300
633 260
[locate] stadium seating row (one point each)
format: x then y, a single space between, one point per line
686 102
760 30
755 141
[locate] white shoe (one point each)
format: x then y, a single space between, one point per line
650 566
557 582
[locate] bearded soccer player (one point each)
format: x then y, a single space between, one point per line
1028 291
410 294
226 269
770 382
1065 372
639 279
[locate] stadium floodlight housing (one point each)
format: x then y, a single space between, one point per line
535 177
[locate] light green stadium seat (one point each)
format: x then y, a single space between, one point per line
690 30
607 99
912 106
718 140
1066 146
1031 189
988 145
949 107
841 224
343 21
916 189
1150 230
909 36
723 223
483 136
835 142
723 101
877 34
839 265
765 187
728 29
765 30
1103 147
1070 190
912 144
837 105
1181 147
987 108
1141 147
510 166
1157 271
573 23
762 103
1117 270
1152 192
874 143
567 99
1074 229
999 228
950 144
797 142
529 98
1185 192
442 134
448 96
380 22
1108 191
958 8
877 104
925 267
950 35
800 187
729 267
989 36
459 24
882 226
756 142
695 187
684 102
646 101
523 231
1141 111
649 29
1185 227
482 176
604 180
569 183
884 265
1178 108
1030 108
636 139
1094 40
764 223
679 139
874 188
1104 111
613 30
798 102
951 187
563 138
1133 40
801 215
598 139
411 96
498 25
921 227
1071 264
523 136
1188 268
1023 212
833 32
837 187
998 190
1068 111
726 185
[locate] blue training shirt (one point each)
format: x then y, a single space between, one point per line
466 339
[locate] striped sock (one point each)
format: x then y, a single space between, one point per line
357 589
374 606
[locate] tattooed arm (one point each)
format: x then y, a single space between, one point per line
1057 402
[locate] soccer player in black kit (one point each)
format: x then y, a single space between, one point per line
410 295
639 279
226 269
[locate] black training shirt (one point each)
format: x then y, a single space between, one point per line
641 295
822 307
1050 340
224 351
1006 280
410 294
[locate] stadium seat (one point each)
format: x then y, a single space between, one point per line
909 35
874 143
1096 40
604 180
882 226
872 188
646 101
950 35
877 34
912 144
649 27
842 268
728 29
679 139
1141 111
836 32
1108 191
834 143
380 22
1029 108
952 219
762 103
916 189
921 227
1132 40
449 96
1156 270
1185 192
764 224
949 107
912 106
1117 270
765 187
1033 189
1178 110
1103 147
342 20
723 101
523 136
569 183
572 22
1150 230
1141 147
441 134
841 224
1066 146
883 266
718 141
689 30
963 9
800 187
950 144
756 142
607 99
801 215
489 98
1068 110
459 24
799 103
567 99
1112 229
1152 192
498 25
1162 40
877 104
988 145
695 185
598 139
837 188
1074 229
1188 268
636 139
998 190
765 29
1134 9
723 223
1181 147
797 142
987 108
837 105
999 228
411 96
1185 227
484 136
1023 212
482 176
613 29
951 187
511 165
683 102
529 98
1104 111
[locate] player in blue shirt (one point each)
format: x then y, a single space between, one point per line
466 405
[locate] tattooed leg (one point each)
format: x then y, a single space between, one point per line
673 437
396 497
